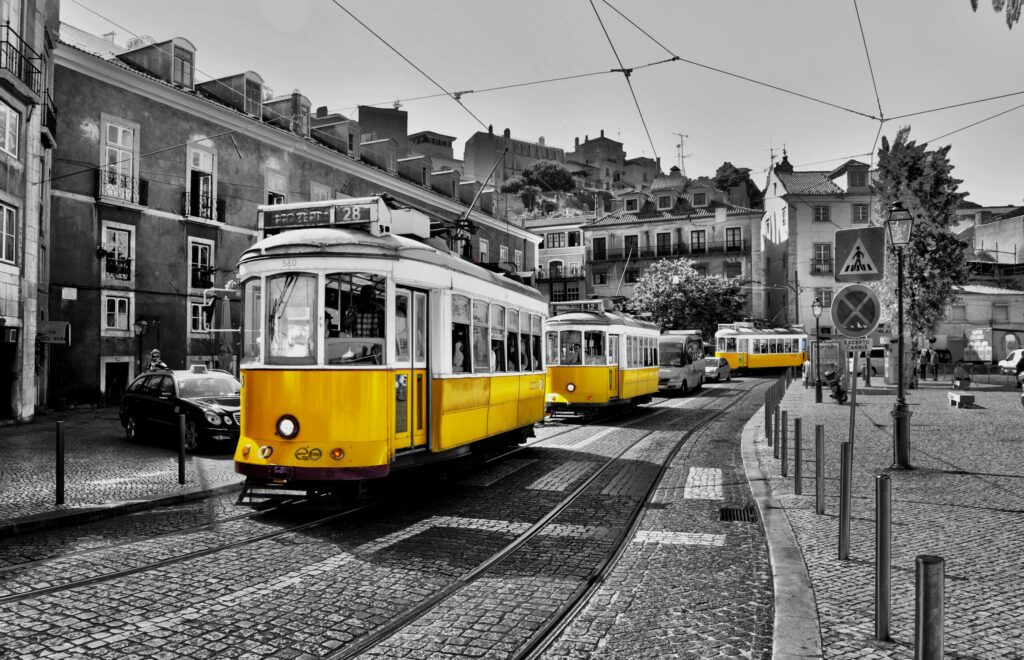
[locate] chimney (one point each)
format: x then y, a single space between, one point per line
577 143
586 138
109 36
602 132
540 140
321 111
507 134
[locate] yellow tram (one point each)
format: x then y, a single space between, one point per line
746 346
365 348
597 357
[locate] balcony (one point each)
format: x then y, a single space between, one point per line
48 131
666 251
18 59
562 274
118 268
202 206
113 187
821 265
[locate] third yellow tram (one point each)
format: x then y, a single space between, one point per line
748 347
597 357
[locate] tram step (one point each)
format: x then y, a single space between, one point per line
264 493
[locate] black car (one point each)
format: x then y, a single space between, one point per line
208 399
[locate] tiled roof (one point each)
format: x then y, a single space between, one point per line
557 221
90 43
808 183
623 218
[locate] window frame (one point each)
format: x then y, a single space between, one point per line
822 213
195 242
667 199
195 313
8 239
125 185
130 313
855 216
108 226
12 122
276 186
700 199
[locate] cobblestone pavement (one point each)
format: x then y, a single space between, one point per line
101 468
962 501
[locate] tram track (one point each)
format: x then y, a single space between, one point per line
555 624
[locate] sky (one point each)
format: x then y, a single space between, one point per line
753 77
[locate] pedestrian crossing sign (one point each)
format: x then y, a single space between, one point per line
860 254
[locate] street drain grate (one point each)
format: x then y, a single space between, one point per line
736 513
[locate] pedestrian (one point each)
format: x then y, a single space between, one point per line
961 377
155 363
933 358
922 364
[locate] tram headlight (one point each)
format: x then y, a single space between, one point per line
571 387
213 418
287 427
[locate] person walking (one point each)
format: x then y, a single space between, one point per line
933 358
922 364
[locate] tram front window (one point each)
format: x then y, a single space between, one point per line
571 343
595 348
354 319
291 305
252 335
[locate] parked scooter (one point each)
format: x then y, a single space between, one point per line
834 381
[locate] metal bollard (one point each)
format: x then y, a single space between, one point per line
60 463
845 497
181 449
883 556
819 469
798 450
775 431
929 611
768 416
785 444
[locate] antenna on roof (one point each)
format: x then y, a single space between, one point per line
682 157
398 104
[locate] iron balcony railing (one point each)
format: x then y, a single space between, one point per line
201 277
18 57
561 274
821 265
118 268
202 206
662 251
121 187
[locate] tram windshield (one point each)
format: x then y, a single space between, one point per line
672 354
354 319
291 302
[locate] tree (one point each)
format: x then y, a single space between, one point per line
1011 7
676 296
934 261
728 176
549 177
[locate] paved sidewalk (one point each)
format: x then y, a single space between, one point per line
963 501
104 473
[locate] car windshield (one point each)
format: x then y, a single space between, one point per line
200 386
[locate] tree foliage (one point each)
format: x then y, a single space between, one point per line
677 297
934 261
1010 7
728 176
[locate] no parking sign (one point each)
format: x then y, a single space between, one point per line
856 310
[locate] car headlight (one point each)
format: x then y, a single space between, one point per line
227 420
570 387
213 418
287 427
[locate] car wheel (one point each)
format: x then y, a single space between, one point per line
131 427
191 436
728 377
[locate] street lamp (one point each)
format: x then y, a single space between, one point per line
900 224
140 327
816 309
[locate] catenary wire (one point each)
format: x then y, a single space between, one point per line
871 69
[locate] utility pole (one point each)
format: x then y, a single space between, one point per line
682 157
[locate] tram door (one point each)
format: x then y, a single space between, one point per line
411 382
741 352
613 369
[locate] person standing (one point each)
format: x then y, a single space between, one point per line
155 363
933 358
922 364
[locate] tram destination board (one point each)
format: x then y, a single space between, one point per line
317 215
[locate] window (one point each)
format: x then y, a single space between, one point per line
497 355
664 242
733 269
8 235
572 290
593 347
958 313
116 313
821 214
555 240
517 259
574 238
197 320
860 213
555 269
512 341
318 192
825 296
570 345
503 254
353 316
1000 312
600 248
857 178
119 149
277 187
821 262
525 350
483 250
252 335
10 124
461 363
700 199
631 246
733 239
200 202
291 322
698 243
200 263
632 204
551 346
481 338
183 67
632 275
117 243
600 278
253 98
664 202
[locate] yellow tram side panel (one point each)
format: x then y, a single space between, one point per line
638 382
469 409
353 410
592 385
764 360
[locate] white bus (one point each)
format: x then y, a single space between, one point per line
681 360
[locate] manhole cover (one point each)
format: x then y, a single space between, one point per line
737 513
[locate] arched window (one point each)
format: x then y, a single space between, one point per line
555 269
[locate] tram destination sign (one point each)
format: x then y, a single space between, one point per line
317 214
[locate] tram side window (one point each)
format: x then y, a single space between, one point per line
613 350
460 335
252 335
730 345
354 319
481 338
402 327
524 341
291 319
536 324
594 346
630 351
762 346
497 338
512 340
648 352
552 347
571 345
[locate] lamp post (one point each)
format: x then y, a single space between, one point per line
140 327
816 309
900 224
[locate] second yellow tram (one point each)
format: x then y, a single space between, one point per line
748 347
598 358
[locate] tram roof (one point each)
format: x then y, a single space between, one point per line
332 241
604 318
